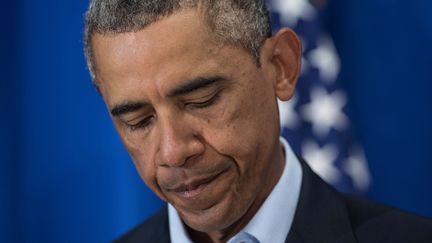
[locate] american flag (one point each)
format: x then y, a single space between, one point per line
314 121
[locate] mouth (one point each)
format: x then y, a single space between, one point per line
194 188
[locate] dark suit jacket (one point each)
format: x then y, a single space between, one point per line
322 216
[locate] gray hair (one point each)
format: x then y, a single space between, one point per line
243 23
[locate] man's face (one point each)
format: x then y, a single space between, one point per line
198 117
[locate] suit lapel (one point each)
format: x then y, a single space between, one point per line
321 215
162 234
155 229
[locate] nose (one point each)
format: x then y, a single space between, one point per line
178 142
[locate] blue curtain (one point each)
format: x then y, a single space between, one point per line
65 177
386 53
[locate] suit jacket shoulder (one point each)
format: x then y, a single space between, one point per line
154 229
325 215
373 222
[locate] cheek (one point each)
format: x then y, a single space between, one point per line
147 170
246 128
143 157
238 119
230 132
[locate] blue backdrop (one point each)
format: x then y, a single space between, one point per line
65 176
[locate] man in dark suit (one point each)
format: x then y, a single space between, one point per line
192 88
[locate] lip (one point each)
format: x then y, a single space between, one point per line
195 187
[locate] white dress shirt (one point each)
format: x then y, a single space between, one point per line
273 220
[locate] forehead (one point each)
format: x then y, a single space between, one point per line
172 48
184 29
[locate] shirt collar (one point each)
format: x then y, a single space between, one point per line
273 220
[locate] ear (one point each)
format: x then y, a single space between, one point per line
283 53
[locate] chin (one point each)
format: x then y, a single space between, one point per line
216 218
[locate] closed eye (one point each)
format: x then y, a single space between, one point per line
141 124
204 102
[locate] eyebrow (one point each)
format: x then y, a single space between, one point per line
188 87
194 84
128 107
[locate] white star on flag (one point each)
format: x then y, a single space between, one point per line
356 167
325 111
293 10
325 59
321 160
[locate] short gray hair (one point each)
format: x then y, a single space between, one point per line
243 23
